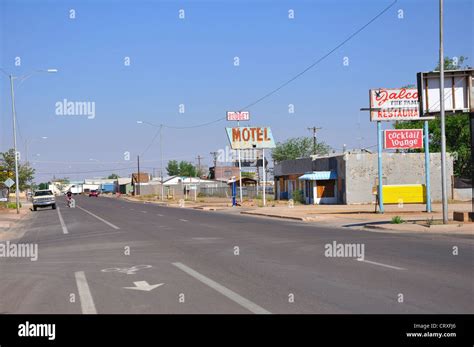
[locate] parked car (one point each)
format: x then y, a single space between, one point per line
44 198
94 193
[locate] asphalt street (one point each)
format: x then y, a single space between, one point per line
115 256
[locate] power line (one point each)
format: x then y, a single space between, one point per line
284 84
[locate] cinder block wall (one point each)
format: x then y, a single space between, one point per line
398 168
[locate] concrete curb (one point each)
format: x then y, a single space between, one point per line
304 219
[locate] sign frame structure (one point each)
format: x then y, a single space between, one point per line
393 100
458 91
387 139
453 101
238 116
232 116
258 134
380 136
257 137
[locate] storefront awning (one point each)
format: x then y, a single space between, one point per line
319 175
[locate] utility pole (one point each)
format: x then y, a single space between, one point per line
138 176
314 129
444 192
199 164
214 158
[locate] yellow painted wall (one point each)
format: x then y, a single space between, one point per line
406 194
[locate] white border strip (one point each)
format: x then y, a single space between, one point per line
101 219
87 303
380 264
61 220
249 305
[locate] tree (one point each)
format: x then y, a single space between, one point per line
43 185
248 174
184 168
7 170
172 168
187 169
457 140
457 130
453 63
299 147
113 176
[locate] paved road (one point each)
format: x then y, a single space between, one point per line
215 262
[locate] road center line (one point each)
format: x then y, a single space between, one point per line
61 220
183 220
380 264
99 218
87 303
249 305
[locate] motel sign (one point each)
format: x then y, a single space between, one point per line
250 137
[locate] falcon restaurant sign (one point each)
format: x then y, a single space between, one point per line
394 104
250 137
403 138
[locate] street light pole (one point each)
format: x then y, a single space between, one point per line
22 78
444 192
17 188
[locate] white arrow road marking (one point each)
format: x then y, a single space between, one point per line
87 303
249 305
143 285
101 219
380 264
61 220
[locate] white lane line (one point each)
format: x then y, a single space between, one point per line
160 215
99 218
61 220
380 264
143 211
249 305
87 303
183 220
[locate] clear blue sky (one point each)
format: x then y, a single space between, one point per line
190 62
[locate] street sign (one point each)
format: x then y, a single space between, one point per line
238 116
250 137
9 182
403 138
393 104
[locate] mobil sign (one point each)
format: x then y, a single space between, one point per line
394 104
250 137
403 138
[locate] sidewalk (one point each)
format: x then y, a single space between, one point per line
9 220
363 216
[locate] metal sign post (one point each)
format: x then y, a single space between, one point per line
379 152
444 190
240 171
427 166
264 177
238 116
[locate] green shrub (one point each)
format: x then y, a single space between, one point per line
397 220
298 196
11 205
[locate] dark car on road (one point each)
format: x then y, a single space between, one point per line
94 193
